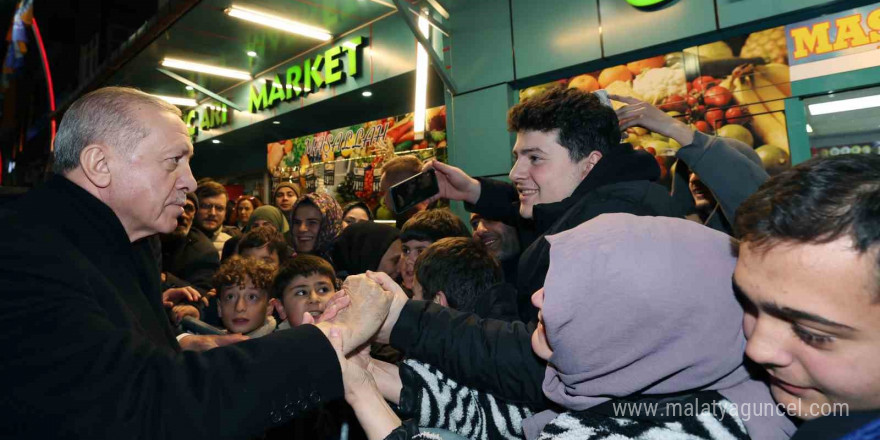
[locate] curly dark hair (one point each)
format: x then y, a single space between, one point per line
237 271
584 123
818 201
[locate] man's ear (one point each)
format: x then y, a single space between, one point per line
271 307
279 307
589 162
440 298
94 161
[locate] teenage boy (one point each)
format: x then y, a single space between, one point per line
809 278
420 231
461 273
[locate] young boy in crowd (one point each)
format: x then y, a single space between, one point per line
304 285
243 286
461 273
264 243
420 231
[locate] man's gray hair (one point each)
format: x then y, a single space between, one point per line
105 116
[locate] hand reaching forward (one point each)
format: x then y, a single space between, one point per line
361 319
454 184
643 114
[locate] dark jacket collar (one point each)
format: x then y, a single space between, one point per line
95 221
622 164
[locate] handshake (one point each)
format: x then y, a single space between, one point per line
367 306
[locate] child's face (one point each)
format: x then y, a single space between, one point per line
263 253
305 294
243 310
411 251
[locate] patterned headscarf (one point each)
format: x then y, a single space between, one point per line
331 220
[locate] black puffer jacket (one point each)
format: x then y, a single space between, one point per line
620 182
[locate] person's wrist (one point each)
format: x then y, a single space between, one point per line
475 190
682 133
397 303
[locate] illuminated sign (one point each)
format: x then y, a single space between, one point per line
209 117
836 43
331 67
647 3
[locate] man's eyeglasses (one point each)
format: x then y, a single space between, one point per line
189 209
209 207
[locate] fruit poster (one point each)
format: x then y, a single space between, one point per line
733 88
347 162
362 141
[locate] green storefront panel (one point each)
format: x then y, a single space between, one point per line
481 143
735 12
553 35
626 28
480 48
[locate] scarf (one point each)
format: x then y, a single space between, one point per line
331 220
272 215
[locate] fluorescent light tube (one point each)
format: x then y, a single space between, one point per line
174 100
421 83
276 22
204 68
845 105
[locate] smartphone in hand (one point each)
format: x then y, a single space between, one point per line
409 193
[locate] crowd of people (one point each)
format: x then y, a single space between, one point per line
582 300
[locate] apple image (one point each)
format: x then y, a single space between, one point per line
703 126
704 82
717 96
715 118
738 115
675 103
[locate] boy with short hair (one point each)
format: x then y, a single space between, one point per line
264 243
304 285
421 231
461 273
243 286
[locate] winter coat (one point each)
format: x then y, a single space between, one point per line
89 349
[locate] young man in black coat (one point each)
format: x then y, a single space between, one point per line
570 167
87 347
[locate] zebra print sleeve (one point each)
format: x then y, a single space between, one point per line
436 401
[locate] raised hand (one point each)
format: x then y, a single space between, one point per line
207 342
399 299
361 319
641 114
454 183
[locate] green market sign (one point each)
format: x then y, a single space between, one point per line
647 3
205 119
336 63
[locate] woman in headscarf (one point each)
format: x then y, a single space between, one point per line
636 313
265 215
356 212
367 246
317 220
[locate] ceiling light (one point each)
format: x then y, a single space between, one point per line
276 22
809 129
367 93
421 83
204 68
845 105
215 141
251 53
184 102
189 87
276 122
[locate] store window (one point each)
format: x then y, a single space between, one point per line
844 123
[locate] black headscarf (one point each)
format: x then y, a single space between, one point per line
360 247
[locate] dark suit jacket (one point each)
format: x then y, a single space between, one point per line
87 350
193 259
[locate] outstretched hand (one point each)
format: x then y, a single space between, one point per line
398 300
360 320
176 295
637 113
